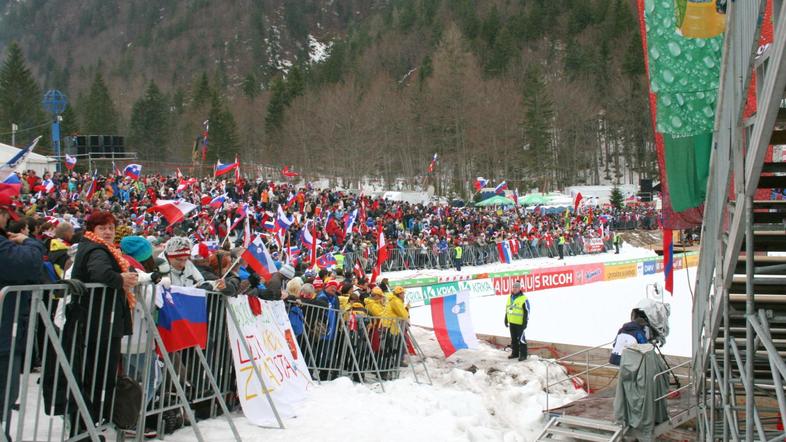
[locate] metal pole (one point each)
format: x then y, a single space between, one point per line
14 128
749 311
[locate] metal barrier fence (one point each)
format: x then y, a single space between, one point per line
473 255
337 342
60 345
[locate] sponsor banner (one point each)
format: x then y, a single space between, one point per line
589 273
275 358
415 282
692 260
540 279
651 267
422 295
594 245
622 271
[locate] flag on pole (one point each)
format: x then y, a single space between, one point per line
576 203
70 162
288 173
326 260
503 249
432 164
222 169
358 270
480 183
282 220
205 133
11 186
173 210
182 319
501 188
15 161
382 254
258 258
453 323
668 260
133 171
93 187
218 201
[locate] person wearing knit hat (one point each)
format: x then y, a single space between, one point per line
137 247
325 352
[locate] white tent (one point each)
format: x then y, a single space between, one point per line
38 163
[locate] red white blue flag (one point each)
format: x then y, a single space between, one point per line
433 164
501 188
505 255
182 320
70 162
258 258
453 323
133 171
222 168
668 260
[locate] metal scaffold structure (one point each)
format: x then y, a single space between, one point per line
739 314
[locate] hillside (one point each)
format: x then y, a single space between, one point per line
543 93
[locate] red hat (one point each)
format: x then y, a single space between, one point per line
7 204
318 284
333 284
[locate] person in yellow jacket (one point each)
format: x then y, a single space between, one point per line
395 309
516 318
375 304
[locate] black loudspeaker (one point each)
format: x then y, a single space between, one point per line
645 185
80 141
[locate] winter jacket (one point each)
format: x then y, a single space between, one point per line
273 288
190 276
630 333
374 307
94 264
394 309
331 315
21 264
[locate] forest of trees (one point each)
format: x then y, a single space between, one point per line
542 93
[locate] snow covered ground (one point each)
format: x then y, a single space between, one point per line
477 395
586 315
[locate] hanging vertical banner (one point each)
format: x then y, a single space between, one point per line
276 355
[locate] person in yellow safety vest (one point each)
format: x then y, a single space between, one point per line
561 245
458 253
339 260
617 243
516 317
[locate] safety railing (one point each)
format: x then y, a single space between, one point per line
431 257
61 346
672 371
569 359
349 342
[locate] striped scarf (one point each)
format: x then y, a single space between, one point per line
119 259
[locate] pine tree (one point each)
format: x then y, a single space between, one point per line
20 99
276 106
70 124
538 126
250 86
295 84
149 123
224 141
616 198
202 92
98 111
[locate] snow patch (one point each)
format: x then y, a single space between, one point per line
318 51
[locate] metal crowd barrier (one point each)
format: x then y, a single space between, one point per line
337 342
58 364
473 255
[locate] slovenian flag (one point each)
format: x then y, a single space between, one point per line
480 183
282 220
503 248
133 171
70 162
222 169
93 187
453 323
258 258
326 260
501 188
668 260
182 319
349 220
269 225
432 164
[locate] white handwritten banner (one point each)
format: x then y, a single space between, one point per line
275 353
